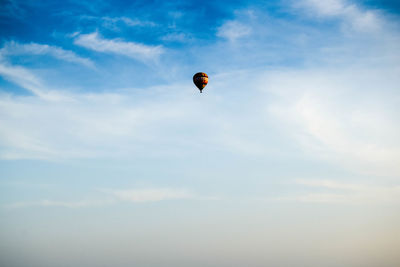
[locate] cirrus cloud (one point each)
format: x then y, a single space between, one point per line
14 48
134 50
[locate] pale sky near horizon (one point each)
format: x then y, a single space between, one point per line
109 155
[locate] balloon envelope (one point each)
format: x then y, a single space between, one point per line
200 79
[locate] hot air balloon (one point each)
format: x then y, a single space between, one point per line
200 79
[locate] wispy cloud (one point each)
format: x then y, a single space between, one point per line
110 22
99 123
60 204
233 30
113 196
175 37
24 78
21 76
14 48
353 15
126 123
324 8
329 191
116 23
151 195
134 50
330 125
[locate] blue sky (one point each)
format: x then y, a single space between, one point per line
109 156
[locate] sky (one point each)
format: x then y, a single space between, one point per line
109 155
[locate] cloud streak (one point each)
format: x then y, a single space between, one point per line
24 78
113 196
329 191
60 204
13 48
110 22
115 23
133 50
151 195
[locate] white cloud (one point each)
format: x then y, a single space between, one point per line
324 8
111 21
14 48
116 46
352 15
339 116
175 37
115 23
233 30
27 80
315 108
125 123
62 204
96 125
151 195
112 197
329 191
21 76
